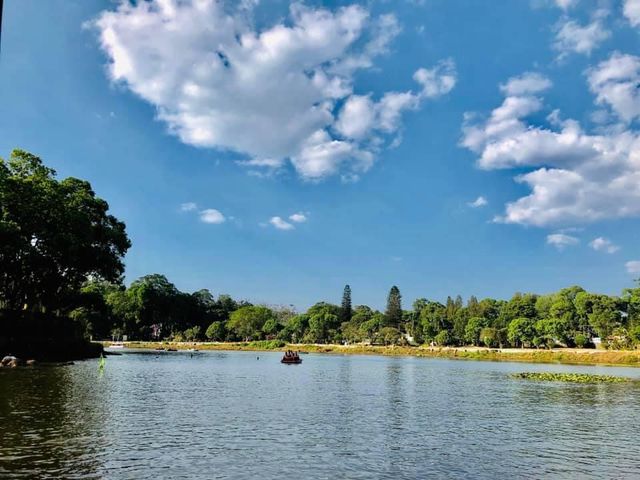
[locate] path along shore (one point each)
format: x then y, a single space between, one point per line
573 356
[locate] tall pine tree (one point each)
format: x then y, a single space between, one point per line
345 309
393 314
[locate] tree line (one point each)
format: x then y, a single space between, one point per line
61 257
152 308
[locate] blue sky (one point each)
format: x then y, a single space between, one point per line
376 124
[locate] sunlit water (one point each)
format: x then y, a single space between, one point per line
232 415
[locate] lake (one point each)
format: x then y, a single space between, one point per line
232 415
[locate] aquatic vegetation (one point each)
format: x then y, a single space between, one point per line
569 377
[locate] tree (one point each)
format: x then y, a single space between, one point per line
443 339
393 313
320 324
489 337
521 331
433 319
154 302
389 336
345 308
216 331
473 328
247 322
295 328
55 234
605 315
271 328
554 330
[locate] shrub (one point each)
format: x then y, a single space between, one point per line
267 344
581 340
443 338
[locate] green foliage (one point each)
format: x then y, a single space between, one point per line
444 338
521 331
389 336
489 337
192 334
55 235
216 331
267 344
393 313
345 307
473 328
247 322
271 327
581 340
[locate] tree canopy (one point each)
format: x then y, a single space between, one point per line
54 235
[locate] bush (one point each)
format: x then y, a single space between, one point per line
267 344
581 340
216 331
634 333
443 339
489 336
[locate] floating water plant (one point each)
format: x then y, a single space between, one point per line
569 377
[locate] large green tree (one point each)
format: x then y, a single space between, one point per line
247 322
54 235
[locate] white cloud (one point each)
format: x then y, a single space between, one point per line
213 78
361 117
615 83
211 215
572 37
633 266
298 217
188 207
478 202
561 240
602 244
281 224
632 12
565 4
574 177
529 82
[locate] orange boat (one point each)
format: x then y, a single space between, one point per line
291 358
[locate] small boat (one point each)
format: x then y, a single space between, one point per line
291 358
116 345
171 349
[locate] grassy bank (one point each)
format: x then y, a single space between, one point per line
566 355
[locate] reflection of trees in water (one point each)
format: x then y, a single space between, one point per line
46 419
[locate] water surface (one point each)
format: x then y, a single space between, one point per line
232 415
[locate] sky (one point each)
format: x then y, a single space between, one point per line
276 151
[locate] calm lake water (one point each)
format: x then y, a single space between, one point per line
230 415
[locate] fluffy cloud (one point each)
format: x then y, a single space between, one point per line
529 82
574 177
280 223
561 240
478 202
615 84
211 215
602 244
572 37
632 12
272 94
298 217
360 115
633 266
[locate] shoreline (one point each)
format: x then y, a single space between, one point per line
569 356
